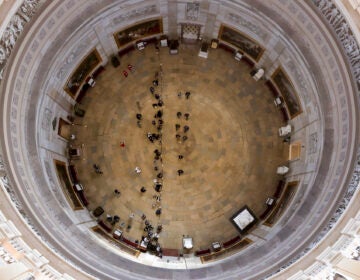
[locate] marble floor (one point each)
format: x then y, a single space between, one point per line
229 159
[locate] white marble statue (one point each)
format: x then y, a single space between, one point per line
342 29
326 7
332 15
18 23
9 40
2 54
5 180
321 4
2 165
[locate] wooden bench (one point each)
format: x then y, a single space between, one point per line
227 48
231 241
126 50
232 249
104 226
277 194
82 197
129 242
247 61
73 174
272 88
98 71
122 246
86 86
199 253
279 188
267 211
284 114
151 40
170 252
82 92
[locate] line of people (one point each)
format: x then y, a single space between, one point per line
155 137
182 131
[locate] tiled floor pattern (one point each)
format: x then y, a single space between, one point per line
230 157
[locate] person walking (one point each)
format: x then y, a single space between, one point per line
97 169
117 193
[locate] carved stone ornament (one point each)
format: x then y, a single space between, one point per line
238 20
13 30
344 33
142 11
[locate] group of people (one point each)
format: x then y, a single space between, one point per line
187 94
97 169
182 130
129 68
151 238
155 137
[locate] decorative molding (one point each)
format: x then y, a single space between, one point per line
14 199
192 11
46 120
343 32
13 30
346 36
300 81
147 10
354 184
74 54
2 164
313 143
240 21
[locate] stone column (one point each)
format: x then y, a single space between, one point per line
172 18
211 10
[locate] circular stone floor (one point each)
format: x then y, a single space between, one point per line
230 157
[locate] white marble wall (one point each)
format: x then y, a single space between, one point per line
16 251
344 248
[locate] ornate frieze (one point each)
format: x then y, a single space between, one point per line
249 25
79 50
313 143
13 30
2 165
300 80
139 12
192 11
344 33
354 184
46 120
